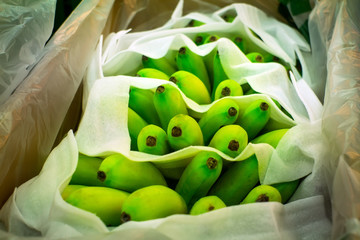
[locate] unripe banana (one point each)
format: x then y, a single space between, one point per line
230 139
218 73
228 18
224 112
168 102
240 42
271 58
70 189
255 57
151 203
153 139
86 171
262 193
135 124
206 204
104 202
184 131
272 138
161 64
191 86
198 177
237 181
141 101
250 91
152 73
286 189
200 38
117 171
195 23
226 88
254 118
191 62
211 38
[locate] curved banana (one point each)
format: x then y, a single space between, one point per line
195 23
191 62
135 124
262 193
184 131
141 101
272 138
191 86
117 171
218 73
200 38
240 43
230 139
86 171
153 139
211 38
152 73
255 57
106 203
198 177
151 203
224 112
206 204
286 189
271 58
161 64
237 181
226 88
168 102
254 118
70 189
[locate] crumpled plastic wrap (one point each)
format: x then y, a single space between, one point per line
342 142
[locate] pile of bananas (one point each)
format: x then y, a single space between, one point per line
118 189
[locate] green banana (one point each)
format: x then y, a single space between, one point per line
271 58
206 204
191 62
86 171
152 73
191 86
286 189
250 91
245 87
184 131
254 118
240 43
153 139
255 57
151 203
161 64
272 138
224 112
168 102
211 38
70 189
195 23
226 88
141 101
230 139
218 73
104 202
262 193
200 38
199 175
237 181
117 171
272 125
229 18
135 124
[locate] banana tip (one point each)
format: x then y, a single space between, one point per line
262 198
125 217
232 111
211 163
233 145
264 106
101 175
150 141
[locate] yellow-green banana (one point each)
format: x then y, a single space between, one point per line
200 38
226 88
161 64
153 139
168 103
184 131
195 23
106 203
230 139
152 73
86 171
254 118
218 73
262 193
117 171
191 86
272 138
286 189
233 186
198 177
206 204
224 112
240 43
151 203
70 189
135 124
191 62
141 101
255 57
